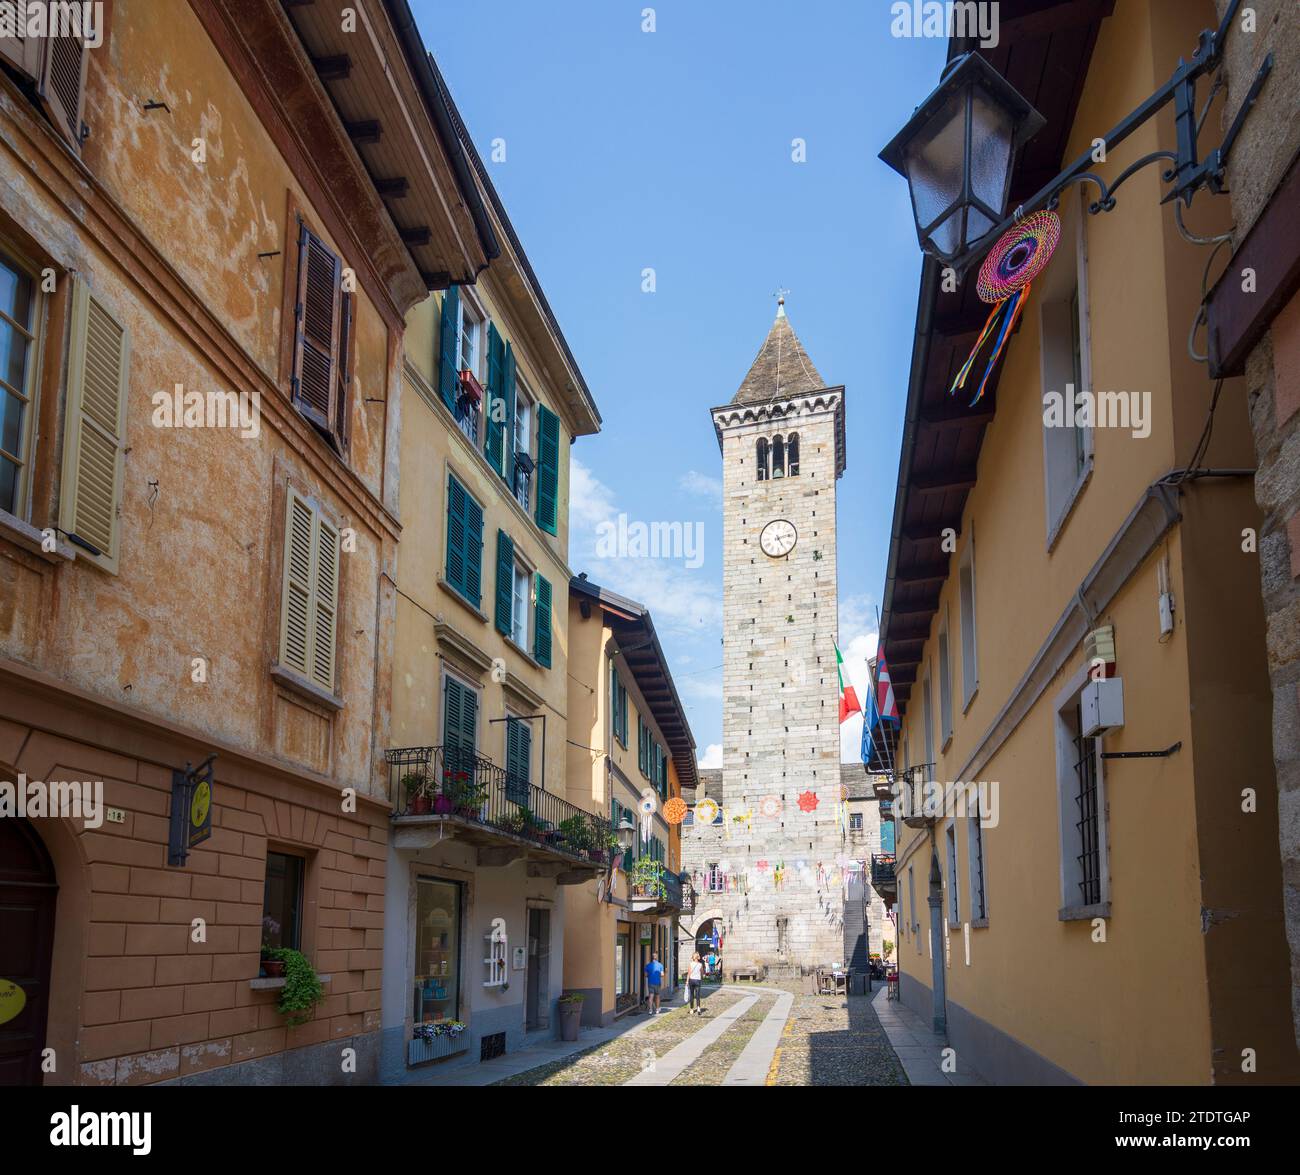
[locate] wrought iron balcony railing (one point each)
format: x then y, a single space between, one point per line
653 882
882 871
451 782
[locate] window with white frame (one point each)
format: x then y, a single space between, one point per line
521 604
970 677
1066 371
975 869
945 685
522 477
19 326
1081 800
469 337
950 851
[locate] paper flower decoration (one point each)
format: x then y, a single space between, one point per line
807 801
706 811
1004 280
769 807
675 810
761 866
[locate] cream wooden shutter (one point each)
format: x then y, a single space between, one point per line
326 600
309 600
22 52
90 497
295 599
62 84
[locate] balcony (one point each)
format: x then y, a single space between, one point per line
439 792
653 889
883 879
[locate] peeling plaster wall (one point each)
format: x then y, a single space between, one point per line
199 571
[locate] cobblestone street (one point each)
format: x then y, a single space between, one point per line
824 1040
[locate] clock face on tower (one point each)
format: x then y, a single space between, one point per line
778 538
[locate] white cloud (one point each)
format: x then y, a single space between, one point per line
712 757
591 502
701 485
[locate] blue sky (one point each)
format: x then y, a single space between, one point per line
672 150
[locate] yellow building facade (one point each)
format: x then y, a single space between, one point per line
1073 628
484 836
630 753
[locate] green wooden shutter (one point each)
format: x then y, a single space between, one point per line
508 428
460 717
548 468
473 551
613 701
447 342
505 581
456 498
496 427
640 744
519 752
542 636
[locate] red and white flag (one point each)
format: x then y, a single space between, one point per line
848 695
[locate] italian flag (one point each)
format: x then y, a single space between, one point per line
848 696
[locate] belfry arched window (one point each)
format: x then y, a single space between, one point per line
762 458
792 454
778 457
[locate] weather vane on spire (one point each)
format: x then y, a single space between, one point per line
780 301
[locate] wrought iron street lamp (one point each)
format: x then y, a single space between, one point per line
958 149
956 153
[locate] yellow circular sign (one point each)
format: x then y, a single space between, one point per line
12 1000
200 804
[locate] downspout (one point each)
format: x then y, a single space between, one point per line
930 271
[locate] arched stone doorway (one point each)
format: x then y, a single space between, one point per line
28 890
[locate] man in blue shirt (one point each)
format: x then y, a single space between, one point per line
654 977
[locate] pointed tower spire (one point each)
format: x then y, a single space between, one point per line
782 367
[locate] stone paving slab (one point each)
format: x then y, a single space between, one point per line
918 1047
680 1056
755 1062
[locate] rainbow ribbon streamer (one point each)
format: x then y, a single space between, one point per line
1008 310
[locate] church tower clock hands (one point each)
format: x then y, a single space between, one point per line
768 877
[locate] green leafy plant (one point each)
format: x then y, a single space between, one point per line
647 878
577 832
302 989
574 997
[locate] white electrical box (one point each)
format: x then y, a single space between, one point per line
1102 703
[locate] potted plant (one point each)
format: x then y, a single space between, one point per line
468 796
575 833
415 784
272 967
570 1015
302 989
443 804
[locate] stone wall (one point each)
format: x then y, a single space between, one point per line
1266 149
780 717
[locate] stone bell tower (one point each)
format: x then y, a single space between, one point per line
783 451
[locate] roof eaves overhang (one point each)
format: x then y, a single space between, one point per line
521 285
379 151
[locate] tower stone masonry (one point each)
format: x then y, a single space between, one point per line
772 862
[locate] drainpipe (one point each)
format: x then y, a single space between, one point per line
940 997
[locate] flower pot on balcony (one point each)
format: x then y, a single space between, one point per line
419 805
442 805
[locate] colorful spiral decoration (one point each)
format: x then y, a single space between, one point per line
706 811
675 810
1004 281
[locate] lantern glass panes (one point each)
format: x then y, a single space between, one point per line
956 153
